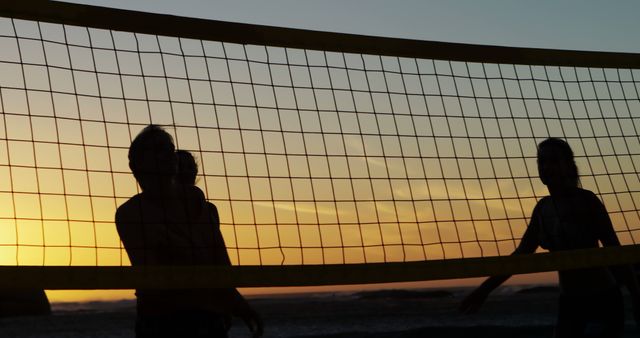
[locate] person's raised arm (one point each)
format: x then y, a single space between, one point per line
233 301
475 299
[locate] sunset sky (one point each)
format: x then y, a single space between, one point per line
344 180
571 24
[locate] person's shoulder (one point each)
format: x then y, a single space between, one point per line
541 202
131 202
129 208
198 192
541 207
544 199
190 193
585 192
212 207
213 213
587 195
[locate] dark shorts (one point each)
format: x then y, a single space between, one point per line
196 324
596 315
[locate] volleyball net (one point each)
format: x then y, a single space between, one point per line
332 158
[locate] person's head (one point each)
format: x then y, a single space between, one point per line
556 166
187 167
152 158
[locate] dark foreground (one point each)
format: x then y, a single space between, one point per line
369 315
455 332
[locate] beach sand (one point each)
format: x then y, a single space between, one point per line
365 315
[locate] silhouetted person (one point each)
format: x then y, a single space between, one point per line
186 178
172 224
590 303
23 302
187 168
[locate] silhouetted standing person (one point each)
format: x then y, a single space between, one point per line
186 179
172 224
570 218
187 168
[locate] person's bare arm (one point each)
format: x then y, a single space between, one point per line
231 299
130 230
241 308
477 297
624 273
231 302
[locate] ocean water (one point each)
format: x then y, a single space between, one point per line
396 313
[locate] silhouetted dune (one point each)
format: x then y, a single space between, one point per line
403 294
539 290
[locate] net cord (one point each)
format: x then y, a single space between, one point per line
248 34
112 277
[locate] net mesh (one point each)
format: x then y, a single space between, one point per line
311 156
